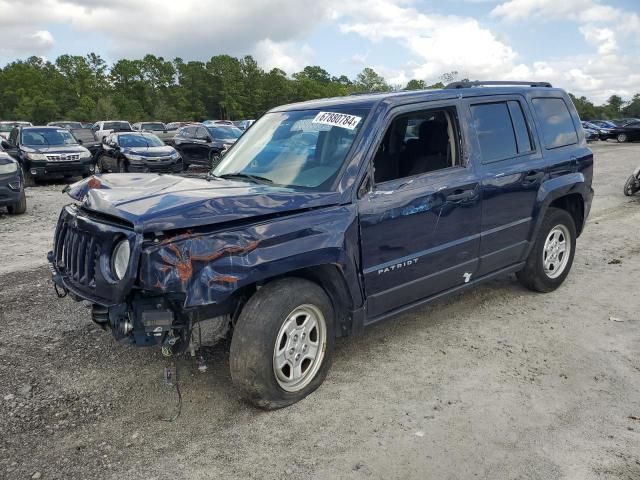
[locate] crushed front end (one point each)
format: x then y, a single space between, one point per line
87 264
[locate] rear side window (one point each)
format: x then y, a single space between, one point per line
502 130
557 125
495 131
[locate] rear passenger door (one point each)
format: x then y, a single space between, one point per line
512 169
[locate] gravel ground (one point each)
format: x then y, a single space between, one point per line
495 383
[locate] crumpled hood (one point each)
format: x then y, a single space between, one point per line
154 203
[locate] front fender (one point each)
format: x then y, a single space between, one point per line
209 267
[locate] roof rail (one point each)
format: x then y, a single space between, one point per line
456 85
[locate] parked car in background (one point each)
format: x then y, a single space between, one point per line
48 152
87 124
201 144
630 132
243 124
173 126
604 128
137 152
102 129
7 126
591 132
603 123
87 139
217 122
65 124
157 128
621 122
12 195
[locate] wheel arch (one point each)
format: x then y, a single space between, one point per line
329 277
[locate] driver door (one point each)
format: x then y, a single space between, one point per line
420 223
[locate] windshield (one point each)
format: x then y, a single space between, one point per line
116 126
66 124
47 137
129 141
225 132
8 126
153 126
296 149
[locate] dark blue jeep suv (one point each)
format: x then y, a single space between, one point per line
329 216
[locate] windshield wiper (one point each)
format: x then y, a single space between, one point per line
253 178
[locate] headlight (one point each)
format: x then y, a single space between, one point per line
135 158
175 155
9 168
36 156
85 154
120 259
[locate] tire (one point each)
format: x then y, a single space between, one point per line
534 275
270 338
631 186
20 206
29 181
622 138
122 166
214 159
100 166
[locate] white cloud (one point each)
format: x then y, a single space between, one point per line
580 10
287 56
194 29
602 38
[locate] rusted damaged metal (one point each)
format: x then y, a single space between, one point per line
208 268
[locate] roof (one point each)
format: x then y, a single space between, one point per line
369 100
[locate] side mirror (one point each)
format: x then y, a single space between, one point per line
6 145
80 142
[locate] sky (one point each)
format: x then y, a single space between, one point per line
588 47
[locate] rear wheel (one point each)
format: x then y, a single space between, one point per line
622 138
282 345
551 257
20 206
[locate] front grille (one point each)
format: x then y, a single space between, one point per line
62 157
76 255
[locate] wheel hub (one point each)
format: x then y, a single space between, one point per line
299 348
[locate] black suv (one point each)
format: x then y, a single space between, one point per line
200 144
327 217
48 151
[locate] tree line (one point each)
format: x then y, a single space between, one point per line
86 88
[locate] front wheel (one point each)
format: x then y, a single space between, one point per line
214 159
122 166
29 180
632 186
551 257
282 345
622 138
20 206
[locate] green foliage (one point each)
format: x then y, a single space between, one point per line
152 88
87 89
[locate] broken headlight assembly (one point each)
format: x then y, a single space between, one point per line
120 259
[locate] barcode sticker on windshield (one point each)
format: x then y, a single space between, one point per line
337 120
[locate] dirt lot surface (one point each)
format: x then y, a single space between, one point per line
497 383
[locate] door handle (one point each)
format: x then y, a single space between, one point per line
460 195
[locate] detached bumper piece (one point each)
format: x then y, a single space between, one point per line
144 322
